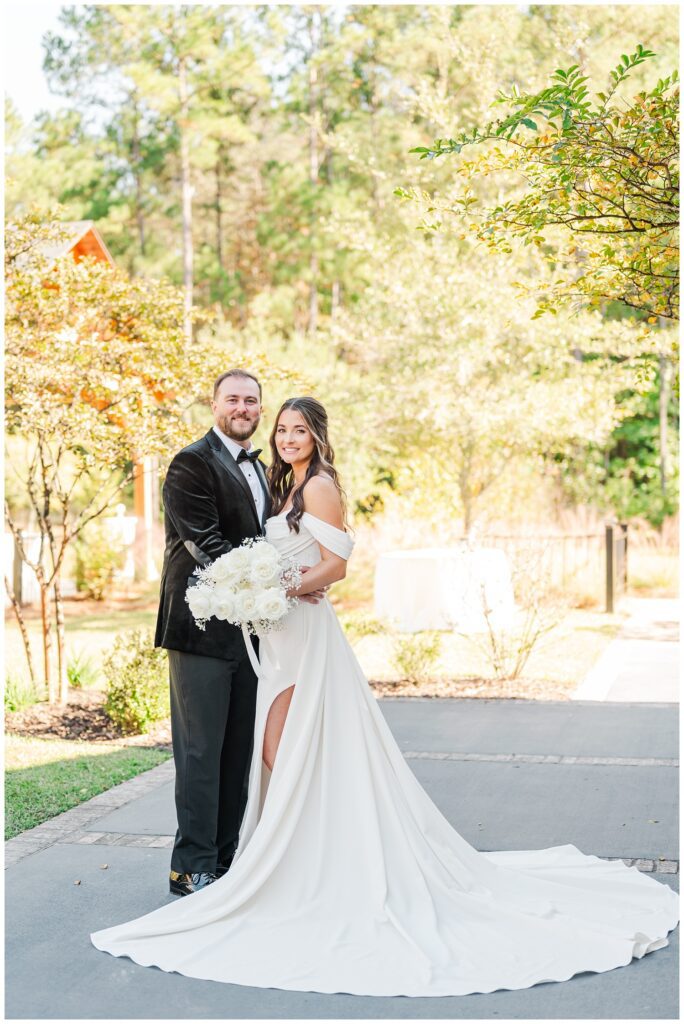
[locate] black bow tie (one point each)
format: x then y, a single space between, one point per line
251 456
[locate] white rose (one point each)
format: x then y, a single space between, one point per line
235 576
239 558
224 568
246 605
225 589
264 553
199 599
264 574
272 604
223 606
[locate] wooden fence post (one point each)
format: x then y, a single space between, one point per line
610 568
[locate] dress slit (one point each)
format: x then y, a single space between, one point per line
292 686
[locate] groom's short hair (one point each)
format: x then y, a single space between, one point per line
235 372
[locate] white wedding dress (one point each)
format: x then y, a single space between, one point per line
348 878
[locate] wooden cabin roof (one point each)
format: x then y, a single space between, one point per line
82 239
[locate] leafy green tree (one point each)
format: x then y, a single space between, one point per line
46 160
625 476
604 172
188 74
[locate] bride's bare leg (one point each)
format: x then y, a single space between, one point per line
275 723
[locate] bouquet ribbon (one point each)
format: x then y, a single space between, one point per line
251 653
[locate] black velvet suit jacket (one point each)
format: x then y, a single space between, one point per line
209 509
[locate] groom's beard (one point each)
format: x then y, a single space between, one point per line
237 427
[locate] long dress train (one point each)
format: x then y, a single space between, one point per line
347 877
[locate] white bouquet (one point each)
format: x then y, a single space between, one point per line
246 587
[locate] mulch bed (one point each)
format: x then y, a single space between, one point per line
488 689
81 718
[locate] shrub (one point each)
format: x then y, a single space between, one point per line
539 610
20 693
414 656
357 625
98 559
82 671
137 682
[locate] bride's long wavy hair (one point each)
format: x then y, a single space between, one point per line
280 474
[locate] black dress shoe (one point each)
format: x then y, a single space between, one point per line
184 883
222 869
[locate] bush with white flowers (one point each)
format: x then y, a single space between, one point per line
246 587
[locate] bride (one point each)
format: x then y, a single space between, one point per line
347 878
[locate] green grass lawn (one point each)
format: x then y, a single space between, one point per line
45 777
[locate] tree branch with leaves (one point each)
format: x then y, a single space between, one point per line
600 188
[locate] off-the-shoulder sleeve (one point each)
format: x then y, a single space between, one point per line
337 541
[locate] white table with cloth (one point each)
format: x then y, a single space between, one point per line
444 588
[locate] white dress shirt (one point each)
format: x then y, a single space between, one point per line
248 471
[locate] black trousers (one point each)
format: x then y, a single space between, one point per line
213 705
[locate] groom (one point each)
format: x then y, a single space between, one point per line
215 497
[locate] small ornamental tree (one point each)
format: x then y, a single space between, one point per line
600 190
98 375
